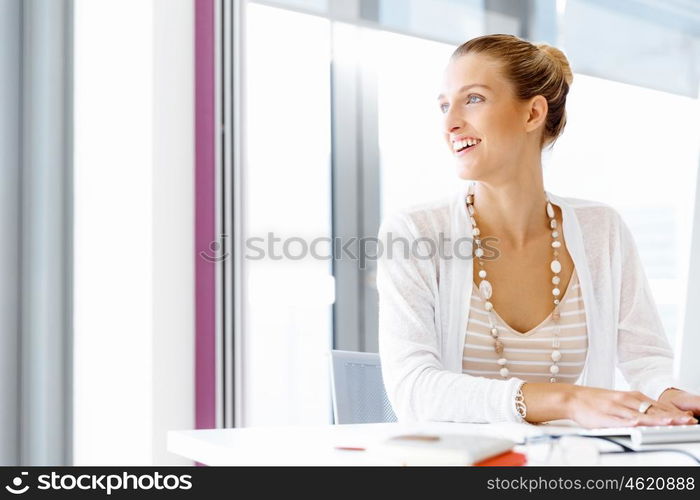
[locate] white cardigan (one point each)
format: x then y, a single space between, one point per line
424 308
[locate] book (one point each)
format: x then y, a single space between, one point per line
442 449
507 459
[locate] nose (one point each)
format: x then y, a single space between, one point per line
453 122
453 131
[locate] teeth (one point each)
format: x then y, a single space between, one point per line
457 145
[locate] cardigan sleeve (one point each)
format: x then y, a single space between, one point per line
418 386
644 354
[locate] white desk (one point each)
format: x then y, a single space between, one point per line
316 445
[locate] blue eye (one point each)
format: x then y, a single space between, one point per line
442 106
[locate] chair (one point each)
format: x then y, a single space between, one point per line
358 389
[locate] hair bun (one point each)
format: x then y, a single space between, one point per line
559 58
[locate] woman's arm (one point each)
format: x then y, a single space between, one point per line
416 382
594 407
547 401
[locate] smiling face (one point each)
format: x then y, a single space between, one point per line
479 104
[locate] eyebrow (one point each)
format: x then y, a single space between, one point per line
466 87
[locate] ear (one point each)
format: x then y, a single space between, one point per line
536 113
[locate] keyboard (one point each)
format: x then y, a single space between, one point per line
650 434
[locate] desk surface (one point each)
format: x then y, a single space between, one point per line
316 445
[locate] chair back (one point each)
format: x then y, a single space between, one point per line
358 389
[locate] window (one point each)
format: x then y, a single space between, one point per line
636 149
289 323
415 164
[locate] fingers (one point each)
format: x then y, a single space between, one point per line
687 402
625 405
621 409
659 413
633 417
637 418
613 421
679 416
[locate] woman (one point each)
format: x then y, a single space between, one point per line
462 336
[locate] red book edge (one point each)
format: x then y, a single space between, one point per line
509 458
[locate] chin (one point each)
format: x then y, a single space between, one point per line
466 172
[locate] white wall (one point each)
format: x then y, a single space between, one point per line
173 228
134 329
688 343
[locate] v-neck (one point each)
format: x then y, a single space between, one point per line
544 321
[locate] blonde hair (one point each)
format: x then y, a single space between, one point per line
533 69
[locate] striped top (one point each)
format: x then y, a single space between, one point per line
529 353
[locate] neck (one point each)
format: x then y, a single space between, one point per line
514 212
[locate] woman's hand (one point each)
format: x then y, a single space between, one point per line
684 401
592 407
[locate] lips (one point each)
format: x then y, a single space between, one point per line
466 150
